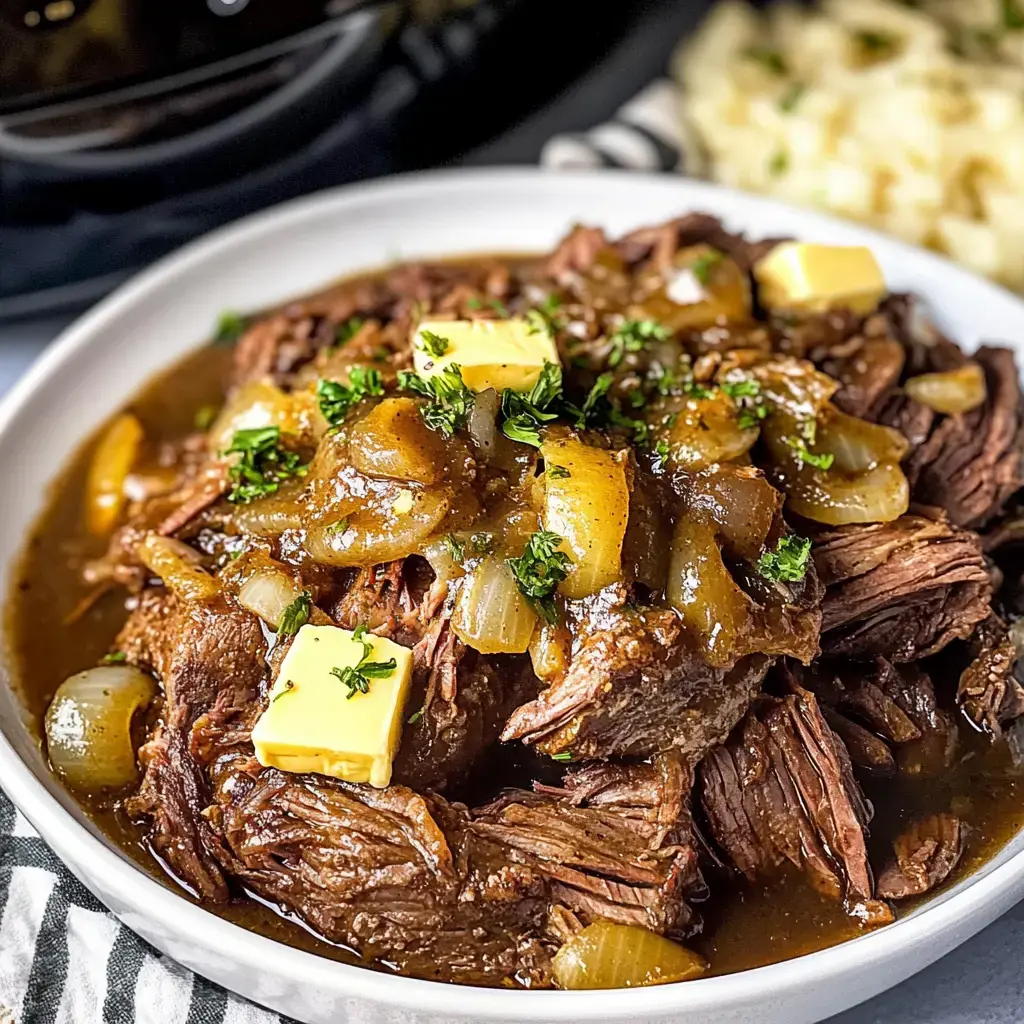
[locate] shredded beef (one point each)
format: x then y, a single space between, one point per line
210 660
636 687
989 692
782 789
903 589
925 855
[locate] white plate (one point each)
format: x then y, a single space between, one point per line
102 359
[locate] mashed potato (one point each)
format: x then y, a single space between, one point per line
908 116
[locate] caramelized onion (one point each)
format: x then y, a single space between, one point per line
549 650
273 515
704 431
111 463
856 444
392 440
587 504
610 955
88 726
491 614
880 495
262 404
267 593
952 392
178 566
483 422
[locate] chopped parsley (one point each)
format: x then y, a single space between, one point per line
1013 18
482 543
523 415
456 547
288 687
820 460
204 417
539 570
230 327
558 472
414 717
778 164
336 398
339 528
114 658
347 330
704 265
450 401
296 615
358 679
497 305
565 755
788 562
633 336
263 465
433 344
592 405
661 452
771 60
544 319
791 97
750 405
875 42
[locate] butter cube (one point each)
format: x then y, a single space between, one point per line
495 354
312 724
816 278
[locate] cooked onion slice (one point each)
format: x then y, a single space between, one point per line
267 593
111 464
608 955
880 495
178 566
88 726
954 391
491 614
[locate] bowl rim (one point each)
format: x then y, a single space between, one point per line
204 930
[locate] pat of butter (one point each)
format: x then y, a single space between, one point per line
312 725
799 276
495 354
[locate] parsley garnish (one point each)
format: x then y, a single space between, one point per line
263 464
820 460
348 330
591 408
791 97
497 305
433 344
114 658
450 401
704 265
779 163
875 42
558 472
544 318
523 415
1012 16
288 687
632 336
358 679
771 59
565 755
414 717
204 417
230 327
456 548
540 569
661 451
788 562
340 527
482 543
336 398
750 405
296 615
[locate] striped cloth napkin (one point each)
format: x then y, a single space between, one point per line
63 958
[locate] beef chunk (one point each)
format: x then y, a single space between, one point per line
989 692
867 370
389 873
971 464
617 843
210 660
903 589
782 789
459 699
925 855
635 687
661 242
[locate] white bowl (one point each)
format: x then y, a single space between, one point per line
102 359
